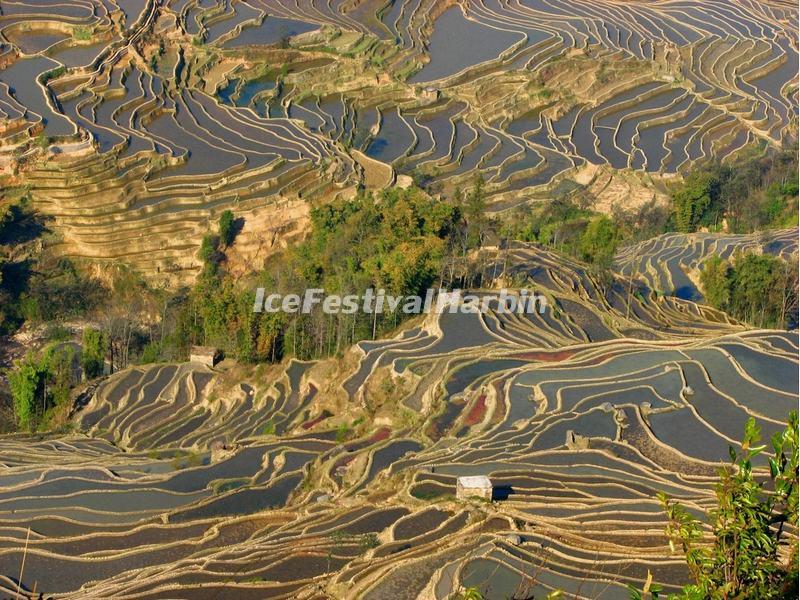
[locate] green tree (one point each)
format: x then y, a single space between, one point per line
209 246
714 278
748 524
226 228
695 200
470 593
368 541
559 224
599 241
26 381
758 190
759 289
210 254
95 347
397 240
59 362
763 290
57 290
475 214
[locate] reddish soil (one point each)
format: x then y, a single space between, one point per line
380 435
477 412
313 422
546 356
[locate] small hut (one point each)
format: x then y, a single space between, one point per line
474 485
429 94
205 355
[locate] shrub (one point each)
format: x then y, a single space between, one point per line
757 288
39 382
342 432
226 228
599 241
81 33
26 382
95 346
748 525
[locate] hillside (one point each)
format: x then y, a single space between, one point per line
170 169
135 124
338 477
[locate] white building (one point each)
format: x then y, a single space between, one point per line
204 355
474 485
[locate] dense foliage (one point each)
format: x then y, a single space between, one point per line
17 224
402 241
95 348
566 224
397 241
57 291
697 202
755 288
752 555
37 287
757 191
25 382
227 230
42 381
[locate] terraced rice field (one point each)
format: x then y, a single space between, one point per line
162 114
135 123
178 483
668 262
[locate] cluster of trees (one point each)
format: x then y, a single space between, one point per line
34 286
568 225
57 291
41 383
759 289
15 225
402 241
398 240
134 322
42 290
94 351
757 191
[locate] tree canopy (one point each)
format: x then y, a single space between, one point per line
759 289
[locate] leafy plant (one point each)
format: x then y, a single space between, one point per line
41 381
95 346
226 228
650 590
268 428
342 432
81 33
26 381
748 525
757 288
367 541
